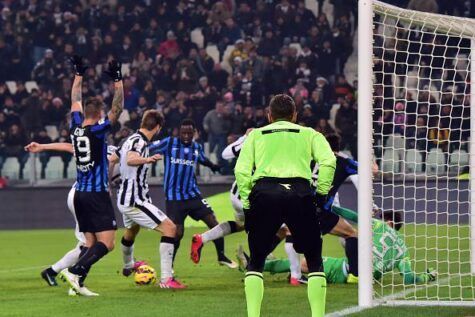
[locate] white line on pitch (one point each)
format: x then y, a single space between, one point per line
357 309
21 269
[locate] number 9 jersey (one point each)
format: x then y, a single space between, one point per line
90 152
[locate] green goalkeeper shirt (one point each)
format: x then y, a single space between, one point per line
283 150
389 249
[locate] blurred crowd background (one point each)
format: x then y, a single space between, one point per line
217 62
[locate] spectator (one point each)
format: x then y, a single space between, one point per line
306 117
15 140
42 138
238 51
131 95
345 124
217 124
169 49
66 157
323 127
218 77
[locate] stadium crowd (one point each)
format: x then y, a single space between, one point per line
171 73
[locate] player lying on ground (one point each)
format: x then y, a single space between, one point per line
183 197
225 228
389 253
72 256
135 203
92 201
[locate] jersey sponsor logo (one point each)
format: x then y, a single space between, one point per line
286 186
85 168
182 161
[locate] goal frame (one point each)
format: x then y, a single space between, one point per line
366 10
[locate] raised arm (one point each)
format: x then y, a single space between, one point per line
34 147
76 90
114 70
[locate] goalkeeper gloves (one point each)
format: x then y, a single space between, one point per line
114 70
431 274
78 65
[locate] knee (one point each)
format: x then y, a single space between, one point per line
169 229
110 245
179 232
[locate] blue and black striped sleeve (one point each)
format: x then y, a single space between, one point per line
202 159
159 146
76 119
101 127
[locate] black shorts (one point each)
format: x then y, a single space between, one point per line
328 221
274 202
197 208
94 211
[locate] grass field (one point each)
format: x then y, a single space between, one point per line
212 290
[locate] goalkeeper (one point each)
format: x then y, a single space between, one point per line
389 253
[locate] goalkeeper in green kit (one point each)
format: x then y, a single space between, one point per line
389 253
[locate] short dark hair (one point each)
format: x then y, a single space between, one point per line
334 141
187 122
151 119
92 107
395 217
282 107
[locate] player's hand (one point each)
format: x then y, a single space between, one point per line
154 158
34 147
431 274
215 168
114 70
322 203
78 64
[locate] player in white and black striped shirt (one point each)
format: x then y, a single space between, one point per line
135 203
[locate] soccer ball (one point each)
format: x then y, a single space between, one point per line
145 275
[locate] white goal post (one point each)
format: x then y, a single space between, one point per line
416 86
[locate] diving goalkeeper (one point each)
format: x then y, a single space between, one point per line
389 253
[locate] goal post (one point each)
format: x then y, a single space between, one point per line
416 119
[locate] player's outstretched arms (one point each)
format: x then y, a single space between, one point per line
114 71
134 159
76 91
34 147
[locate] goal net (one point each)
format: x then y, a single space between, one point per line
420 73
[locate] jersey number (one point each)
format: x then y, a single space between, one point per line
84 148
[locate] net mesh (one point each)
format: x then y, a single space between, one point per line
421 102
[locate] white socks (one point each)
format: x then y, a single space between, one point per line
219 231
167 247
294 258
127 253
69 259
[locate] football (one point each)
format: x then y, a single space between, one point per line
145 275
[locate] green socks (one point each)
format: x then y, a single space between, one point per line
277 266
254 288
317 291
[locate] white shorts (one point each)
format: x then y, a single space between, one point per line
145 215
238 210
79 235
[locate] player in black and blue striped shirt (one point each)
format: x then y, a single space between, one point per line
92 203
183 197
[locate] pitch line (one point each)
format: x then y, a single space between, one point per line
356 309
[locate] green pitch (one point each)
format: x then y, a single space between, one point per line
212 290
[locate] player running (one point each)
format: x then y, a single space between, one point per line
389 253
135 203
183 198
72 256
92 202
